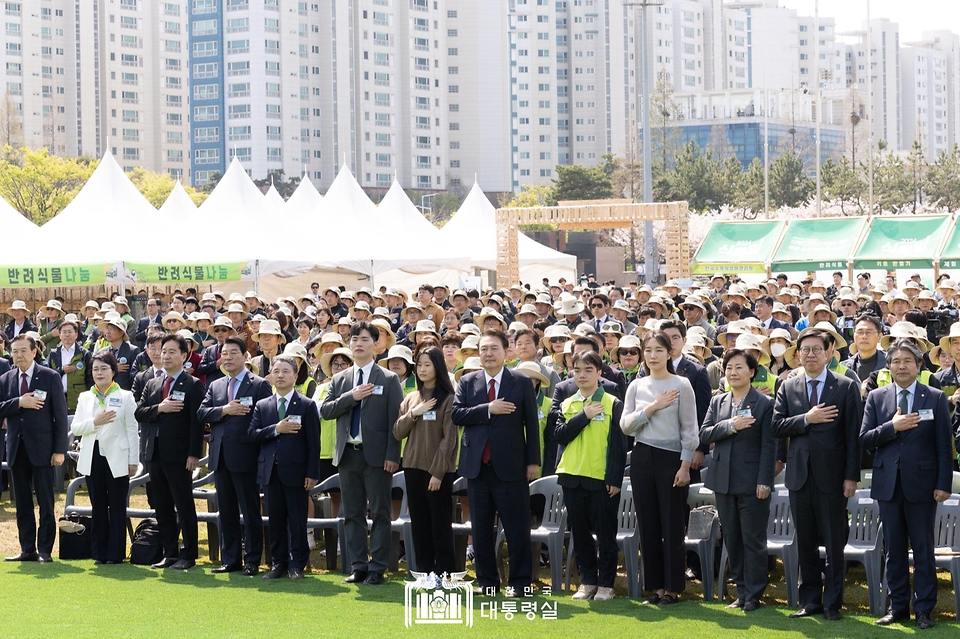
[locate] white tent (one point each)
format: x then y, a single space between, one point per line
23 235
273 200
99 218
302 204
472 229
395 205
178 207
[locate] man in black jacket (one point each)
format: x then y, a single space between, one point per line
20 323
153 316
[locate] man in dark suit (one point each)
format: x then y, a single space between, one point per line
287 427
499 456
114 329
763 307
153 316
20 323
171 438
819 412
33 403
228 408
365 401
210 359
908 424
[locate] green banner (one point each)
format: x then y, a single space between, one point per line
163 273
950 256
737 247
816 245
902 242
57 275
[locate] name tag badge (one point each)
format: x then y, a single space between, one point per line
598 418
40 394
925 415
539 414
378 390
177 396
293 419
430 416
188 365
79 366
246 401
123 360
114 402
744 413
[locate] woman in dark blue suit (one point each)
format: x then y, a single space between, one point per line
738 425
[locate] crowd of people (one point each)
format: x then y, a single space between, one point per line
740 386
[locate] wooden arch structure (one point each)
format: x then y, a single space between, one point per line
593 214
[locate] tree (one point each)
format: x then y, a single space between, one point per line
38 184
627 176
211 183
665 137
893 189
789 184
533 195
693 178
942 189
845 184
719 143
750 193
917 173
275 177
577 182
11 124
156 187
727 181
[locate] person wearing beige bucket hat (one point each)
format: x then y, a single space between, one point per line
210 357
271 339
21 320
114 331
49 324
949 377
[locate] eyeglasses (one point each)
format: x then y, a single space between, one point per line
596 306
808 350
629 352
557 340
848 304
221 330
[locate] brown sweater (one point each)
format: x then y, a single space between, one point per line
431 445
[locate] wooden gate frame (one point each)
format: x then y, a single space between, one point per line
593 214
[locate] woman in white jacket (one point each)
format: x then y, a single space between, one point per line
109 448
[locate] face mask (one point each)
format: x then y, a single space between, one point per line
777 350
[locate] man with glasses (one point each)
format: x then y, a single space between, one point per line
763 308
211 361
848 309
599 307
866 358
153 316
819 412
694 311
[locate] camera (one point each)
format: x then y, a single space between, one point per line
939 322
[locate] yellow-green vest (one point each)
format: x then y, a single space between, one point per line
543 409
836 367
586 455
328 427
885 377
763 379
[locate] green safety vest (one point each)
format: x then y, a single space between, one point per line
885 377
328 427
836 367
586 456
543 409
763 379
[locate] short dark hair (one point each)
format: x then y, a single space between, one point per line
173 337
864 275
838 273
600 296
24 336
154 338
66 323
527 332
236 341
426 287
825 338
677 324
908 345
106 356
765 299
752 362
371 330
304 320
589 358
871 319
500 335
451 337
290 360
646 311
586 340
916 317
730 307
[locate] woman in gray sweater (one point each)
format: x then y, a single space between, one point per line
660 412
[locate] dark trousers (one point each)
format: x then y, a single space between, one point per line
238 493
28 479
431 515
360 483
173 498
108 497
287 514
593 512
744 521
489 496
902 521
662 513
821 520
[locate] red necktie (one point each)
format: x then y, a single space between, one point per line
24 388
167 383
491 396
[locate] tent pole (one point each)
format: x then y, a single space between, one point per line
373 278
256 277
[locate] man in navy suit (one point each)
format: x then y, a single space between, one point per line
228 408
210 359
908 424
763 307
499 456
287 427
33 403
171 441
820 413
153 316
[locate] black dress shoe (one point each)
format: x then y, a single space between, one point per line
751 606
667 600
44 558
924 622
373 579
892 617
652 600
357 577
111 562
296 573
832 615
736 604
98 562
250 571
226 568
24 556
807 611
164 563
183 564
276 572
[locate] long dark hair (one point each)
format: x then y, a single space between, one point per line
444 388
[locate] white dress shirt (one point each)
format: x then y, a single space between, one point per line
65 356
367 371
496 385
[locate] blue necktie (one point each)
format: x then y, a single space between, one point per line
355 415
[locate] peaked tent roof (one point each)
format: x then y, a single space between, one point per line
179 206
303 203
395 205
473 228
108 202
27 234
273 200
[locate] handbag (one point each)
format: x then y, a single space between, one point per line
145 549
76 540
701 523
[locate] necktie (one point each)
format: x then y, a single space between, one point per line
904 404
355 415
282 407
24 387
167 384
230 381
157 374
491 396
814 398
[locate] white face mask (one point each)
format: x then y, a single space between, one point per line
777 350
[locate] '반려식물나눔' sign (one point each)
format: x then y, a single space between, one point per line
162 273
58 275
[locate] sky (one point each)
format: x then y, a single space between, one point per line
914 16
